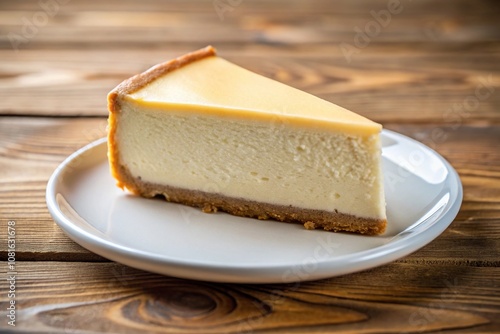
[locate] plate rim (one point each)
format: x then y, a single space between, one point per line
340 265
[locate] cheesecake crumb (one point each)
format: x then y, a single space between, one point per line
309 225
209 208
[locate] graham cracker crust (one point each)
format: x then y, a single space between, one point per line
135 83
209 203
140 80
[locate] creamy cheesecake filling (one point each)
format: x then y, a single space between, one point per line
273 162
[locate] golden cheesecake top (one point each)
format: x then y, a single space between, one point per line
205 83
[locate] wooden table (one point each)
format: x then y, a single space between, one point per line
426 69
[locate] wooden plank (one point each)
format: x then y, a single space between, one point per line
347 7
423 75
262 21
145 29
31 148
57 297
427 86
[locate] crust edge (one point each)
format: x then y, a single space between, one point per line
135 83
209 203
140 80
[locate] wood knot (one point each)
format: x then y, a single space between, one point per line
184 304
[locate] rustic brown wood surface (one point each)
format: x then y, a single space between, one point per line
432 73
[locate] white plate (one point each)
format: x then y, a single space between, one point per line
423 194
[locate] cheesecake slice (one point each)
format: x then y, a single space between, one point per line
202 131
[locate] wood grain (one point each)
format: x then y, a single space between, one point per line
83 24
58 297
347 7
375 85
33 147
428 59
432 73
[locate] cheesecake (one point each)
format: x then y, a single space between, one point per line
201 131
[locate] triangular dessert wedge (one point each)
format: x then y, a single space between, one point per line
204 132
